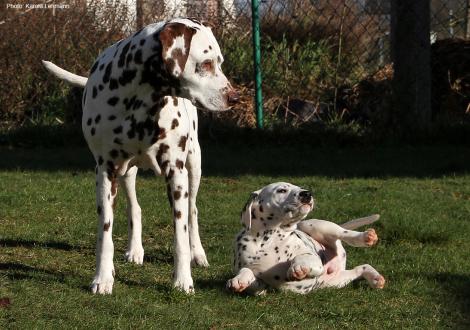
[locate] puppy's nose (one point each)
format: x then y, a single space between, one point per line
233 97
305 196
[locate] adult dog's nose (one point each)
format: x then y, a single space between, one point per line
233 97
305 196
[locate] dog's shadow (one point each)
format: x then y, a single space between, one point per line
17 270
58 245
457 288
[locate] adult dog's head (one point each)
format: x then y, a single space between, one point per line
277 205
191 54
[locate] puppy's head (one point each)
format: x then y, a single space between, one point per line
277 205
191 54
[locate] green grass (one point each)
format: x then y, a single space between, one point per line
47 239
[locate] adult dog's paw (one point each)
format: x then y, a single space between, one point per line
184 284
199 259
135 255
102 284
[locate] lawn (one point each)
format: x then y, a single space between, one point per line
48 222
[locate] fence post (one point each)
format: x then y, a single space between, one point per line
139 14
257 62
411 55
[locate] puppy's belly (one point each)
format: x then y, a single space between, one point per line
334 261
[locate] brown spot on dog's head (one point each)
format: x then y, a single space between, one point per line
177 214
106 226
177 56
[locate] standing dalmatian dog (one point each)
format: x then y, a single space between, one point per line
278 250
138 112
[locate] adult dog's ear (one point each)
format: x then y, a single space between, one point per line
247 212
176 43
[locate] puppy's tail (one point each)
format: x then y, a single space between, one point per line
356 223
68 77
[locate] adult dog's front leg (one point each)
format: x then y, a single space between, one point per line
198 256
177 180
106 190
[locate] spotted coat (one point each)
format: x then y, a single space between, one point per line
139 112
275 249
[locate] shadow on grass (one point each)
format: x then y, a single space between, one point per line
273 160
294 152
217 284
457 287
17 271
36 244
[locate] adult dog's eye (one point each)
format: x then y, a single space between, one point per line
281 191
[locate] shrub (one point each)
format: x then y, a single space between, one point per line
70 37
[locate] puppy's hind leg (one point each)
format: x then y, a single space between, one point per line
135 251
344 277
326 233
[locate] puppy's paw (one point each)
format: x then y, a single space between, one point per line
298 272
378 282
372 276
236 285
370 237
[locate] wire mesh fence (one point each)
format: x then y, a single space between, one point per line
312 50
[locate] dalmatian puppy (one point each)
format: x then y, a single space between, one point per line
278 250
138 112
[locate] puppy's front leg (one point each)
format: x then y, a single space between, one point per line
305 265
245 280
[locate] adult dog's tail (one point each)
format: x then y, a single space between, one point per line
69 77
356 223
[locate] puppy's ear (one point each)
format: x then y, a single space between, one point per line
176 43
247 216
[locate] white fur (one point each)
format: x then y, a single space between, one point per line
276 249
110 131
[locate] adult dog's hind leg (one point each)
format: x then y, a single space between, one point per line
135 251
198 255
106 189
